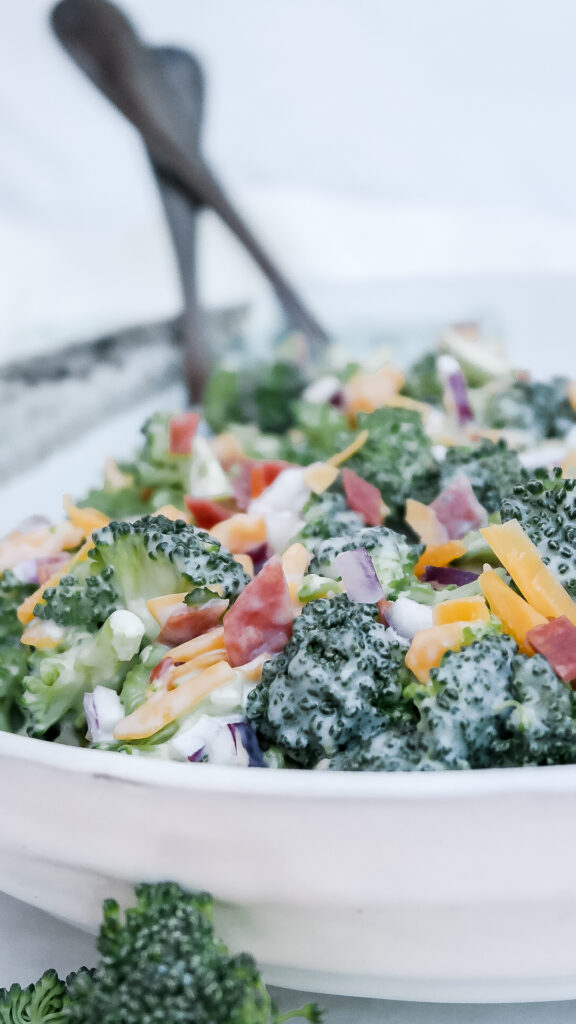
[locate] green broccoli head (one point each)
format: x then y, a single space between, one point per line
156 556
397 457
422 380
464 711
122 502
262 393
319 431
42 1003
155 467
327 515
340 677
546 509
161 962
57 680
82 601
393 557
13 656
542 715
397 747
492 468
541 409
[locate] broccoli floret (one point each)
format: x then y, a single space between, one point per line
422 380
155 466
492 468
327 515
42 1003
397 747
319 431
340 677
156 556
57 681
541 409
161 962
397 457
393 557
464 710
546 509
13 655
262 393
83 601
542 717
120 503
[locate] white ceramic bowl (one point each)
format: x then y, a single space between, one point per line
448 886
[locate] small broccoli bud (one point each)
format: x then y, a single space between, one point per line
41 1003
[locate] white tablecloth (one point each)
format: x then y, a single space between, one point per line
31 941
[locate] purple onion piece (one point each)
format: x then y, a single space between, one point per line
27 571
91 713
197 755
358 575
448 574
260 555
457 384
244 734
337 399
33 523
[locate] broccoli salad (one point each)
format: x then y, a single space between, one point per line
359 569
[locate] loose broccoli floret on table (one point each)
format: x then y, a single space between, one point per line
13 655
492 468
541 409
58 679
160 963
393 557
397 457
340 677
546 509
327 515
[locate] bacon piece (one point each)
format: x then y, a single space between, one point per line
556 641
363 498
458 508
189 621
261 619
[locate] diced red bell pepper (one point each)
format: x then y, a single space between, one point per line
207 513
183 427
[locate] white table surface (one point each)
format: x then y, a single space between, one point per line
30 940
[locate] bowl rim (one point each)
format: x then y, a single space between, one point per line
290 783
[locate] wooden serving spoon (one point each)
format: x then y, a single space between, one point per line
104 44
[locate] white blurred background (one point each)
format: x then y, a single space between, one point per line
407 162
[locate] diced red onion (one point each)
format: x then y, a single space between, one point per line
27 571
455 388
449 574
33 523
103 709
245 737
358 575
260 555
